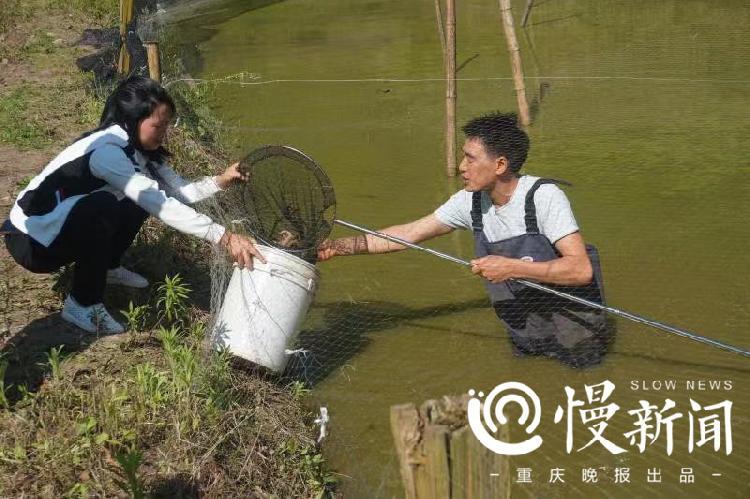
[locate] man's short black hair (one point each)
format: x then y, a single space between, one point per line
501 136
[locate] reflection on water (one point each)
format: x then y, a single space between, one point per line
643 106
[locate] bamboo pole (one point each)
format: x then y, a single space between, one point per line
515 58
450 87
154 60
126 16
441 29
449 183
527 12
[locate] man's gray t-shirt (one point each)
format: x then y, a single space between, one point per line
554 215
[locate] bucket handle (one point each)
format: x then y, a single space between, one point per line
276 272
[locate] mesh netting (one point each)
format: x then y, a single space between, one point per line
289 203
643 106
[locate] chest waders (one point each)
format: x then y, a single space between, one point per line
541 323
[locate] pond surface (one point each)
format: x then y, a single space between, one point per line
644 106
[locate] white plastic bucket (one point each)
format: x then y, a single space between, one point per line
263 309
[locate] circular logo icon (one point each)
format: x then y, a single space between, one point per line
483 415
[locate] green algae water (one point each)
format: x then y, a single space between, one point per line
643 106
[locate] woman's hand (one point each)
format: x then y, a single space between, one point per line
241 249
231 174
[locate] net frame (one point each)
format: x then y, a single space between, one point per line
322 226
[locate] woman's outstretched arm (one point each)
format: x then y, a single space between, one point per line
193 192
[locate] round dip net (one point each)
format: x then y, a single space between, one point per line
289 202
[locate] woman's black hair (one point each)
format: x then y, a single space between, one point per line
134 100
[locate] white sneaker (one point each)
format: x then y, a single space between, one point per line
125 277
94 319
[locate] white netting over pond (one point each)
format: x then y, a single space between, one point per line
266 309
642 106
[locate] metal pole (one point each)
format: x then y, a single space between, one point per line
614 311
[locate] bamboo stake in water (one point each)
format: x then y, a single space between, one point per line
515 59
440 28
450 87
527 12
598 306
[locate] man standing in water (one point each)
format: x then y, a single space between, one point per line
524 228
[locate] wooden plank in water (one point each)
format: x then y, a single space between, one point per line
476 472
439 456
406 432
433 476
461 464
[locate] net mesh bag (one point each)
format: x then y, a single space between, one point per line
288 203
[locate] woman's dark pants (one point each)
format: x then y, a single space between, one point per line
95 235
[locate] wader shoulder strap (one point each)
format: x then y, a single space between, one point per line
476 212
532 227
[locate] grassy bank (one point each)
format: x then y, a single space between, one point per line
149 413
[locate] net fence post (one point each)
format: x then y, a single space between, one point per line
126 17
527 13
154 60
440 28
515 59
450 87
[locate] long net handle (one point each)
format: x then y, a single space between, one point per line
614 311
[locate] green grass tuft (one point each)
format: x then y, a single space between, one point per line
20 124
130 414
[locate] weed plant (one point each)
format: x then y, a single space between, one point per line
152 416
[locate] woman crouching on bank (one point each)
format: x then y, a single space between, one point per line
88 203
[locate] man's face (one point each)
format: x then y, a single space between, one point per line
478 169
